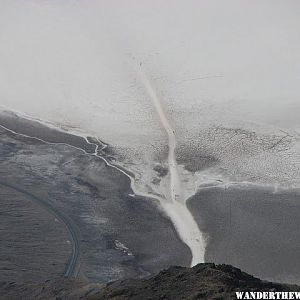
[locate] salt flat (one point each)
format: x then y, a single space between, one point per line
226 75
230 64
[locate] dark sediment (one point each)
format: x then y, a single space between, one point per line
121 236
32 128
252 228
27 229
194 158
161 170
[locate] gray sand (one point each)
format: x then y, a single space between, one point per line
121 236
251 228
27 230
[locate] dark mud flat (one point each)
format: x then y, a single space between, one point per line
252 228
32 240
120 236
18 124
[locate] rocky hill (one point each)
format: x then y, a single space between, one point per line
204 281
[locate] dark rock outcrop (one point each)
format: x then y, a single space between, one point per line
204 281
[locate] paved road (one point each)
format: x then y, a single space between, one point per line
72 267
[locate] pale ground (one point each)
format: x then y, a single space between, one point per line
232 65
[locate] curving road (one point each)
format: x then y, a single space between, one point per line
72 267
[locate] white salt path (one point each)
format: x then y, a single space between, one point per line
175 205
